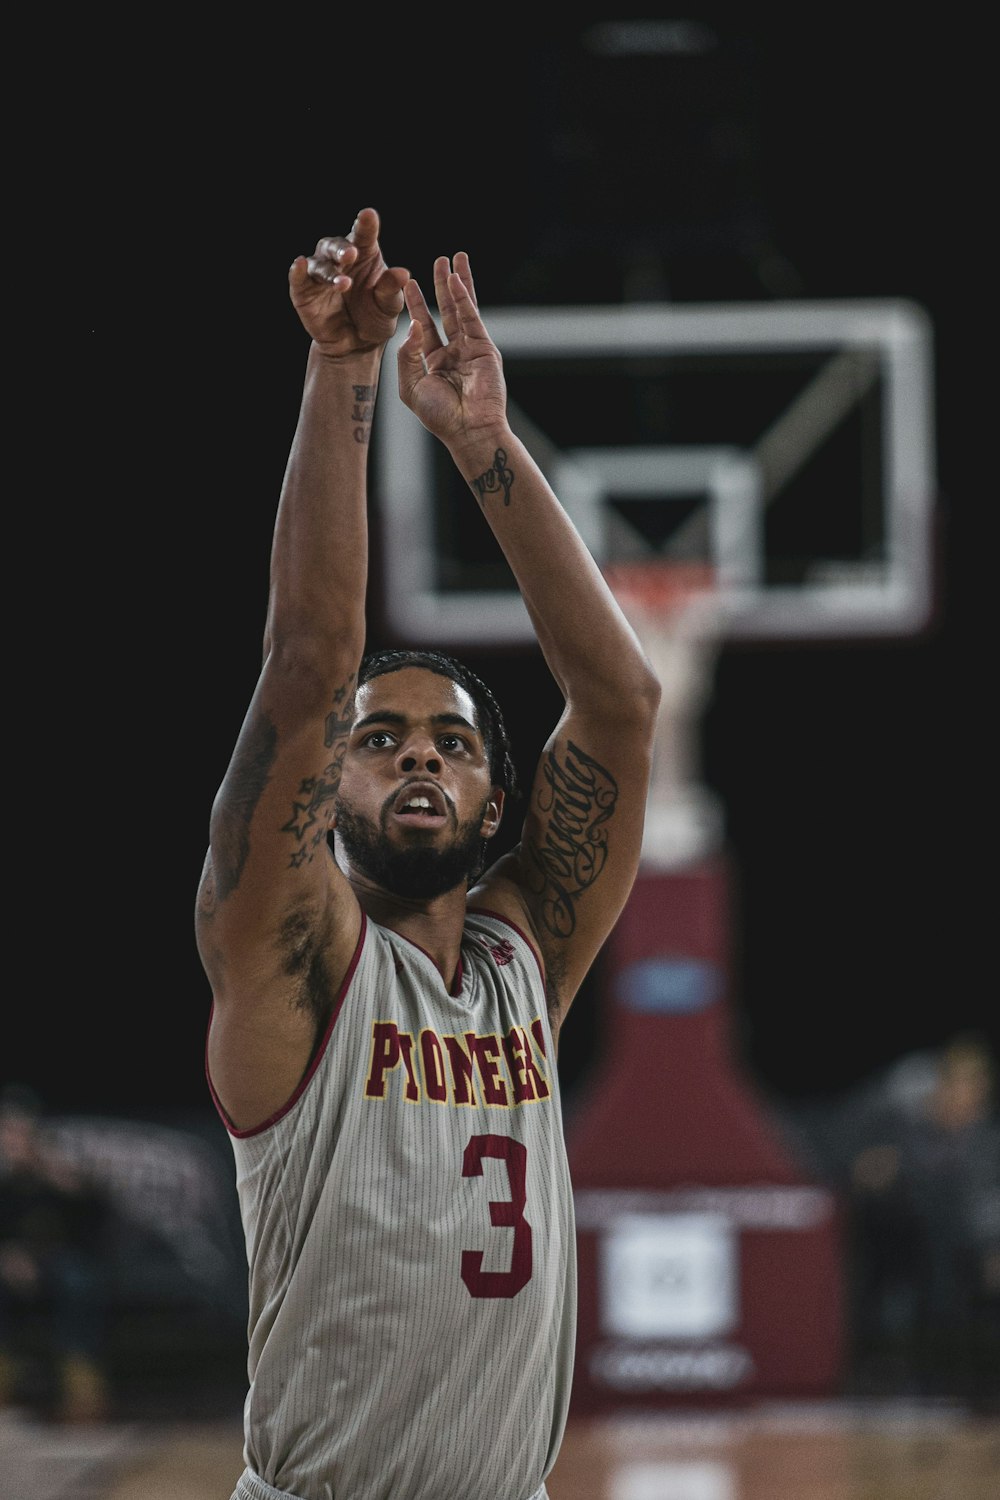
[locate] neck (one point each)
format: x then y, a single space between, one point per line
434 925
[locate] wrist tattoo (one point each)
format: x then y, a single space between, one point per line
494 480
362 412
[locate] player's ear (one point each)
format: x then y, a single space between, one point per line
493 814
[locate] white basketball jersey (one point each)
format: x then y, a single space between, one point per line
410 1236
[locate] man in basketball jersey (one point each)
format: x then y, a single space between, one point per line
385 1016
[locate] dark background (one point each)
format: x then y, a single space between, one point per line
758 160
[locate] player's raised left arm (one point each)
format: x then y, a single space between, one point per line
575 865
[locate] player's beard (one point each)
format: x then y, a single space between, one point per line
419 870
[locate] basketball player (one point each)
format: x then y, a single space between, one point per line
385 1017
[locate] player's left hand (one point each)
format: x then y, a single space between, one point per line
454 384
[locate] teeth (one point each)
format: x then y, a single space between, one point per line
419 802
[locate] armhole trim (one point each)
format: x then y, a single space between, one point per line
497 916
317 1058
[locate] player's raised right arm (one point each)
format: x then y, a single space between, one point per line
275 919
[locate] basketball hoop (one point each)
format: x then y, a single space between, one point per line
662 596
673 608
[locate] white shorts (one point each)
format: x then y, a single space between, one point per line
250 1486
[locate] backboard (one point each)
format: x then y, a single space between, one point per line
786 448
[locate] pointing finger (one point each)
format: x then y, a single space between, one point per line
364 233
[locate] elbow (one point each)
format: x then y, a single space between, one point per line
649 691
631 691
642 692
314 665
305 637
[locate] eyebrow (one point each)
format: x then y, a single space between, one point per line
391 716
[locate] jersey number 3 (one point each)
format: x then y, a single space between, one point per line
506 1214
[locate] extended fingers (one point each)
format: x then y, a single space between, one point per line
465 312
416 306
463 270
444 297
453 284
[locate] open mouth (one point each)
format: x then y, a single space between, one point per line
420 806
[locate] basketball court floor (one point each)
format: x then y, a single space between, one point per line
886 1450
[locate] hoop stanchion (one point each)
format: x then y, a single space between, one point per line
710 1265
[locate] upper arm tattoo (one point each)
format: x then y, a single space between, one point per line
309 823
250 773
248 776
576 799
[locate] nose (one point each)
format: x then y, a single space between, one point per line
418 753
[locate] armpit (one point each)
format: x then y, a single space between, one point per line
304 943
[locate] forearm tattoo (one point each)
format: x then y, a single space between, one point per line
309 823
362 412
577 798
498 479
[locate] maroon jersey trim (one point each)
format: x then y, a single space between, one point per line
486 911
317 1059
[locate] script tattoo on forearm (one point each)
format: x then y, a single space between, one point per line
577 798
494 481
362 412
308 824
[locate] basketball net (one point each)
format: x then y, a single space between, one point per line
674 610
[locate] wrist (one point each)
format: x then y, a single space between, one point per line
473 452
367 357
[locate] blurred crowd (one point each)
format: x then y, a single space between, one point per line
53 1271
915 1155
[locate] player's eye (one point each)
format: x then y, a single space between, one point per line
452 742
379 739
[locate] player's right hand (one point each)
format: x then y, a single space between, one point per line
346 296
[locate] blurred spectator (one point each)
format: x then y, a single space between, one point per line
924 1190
53 1287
